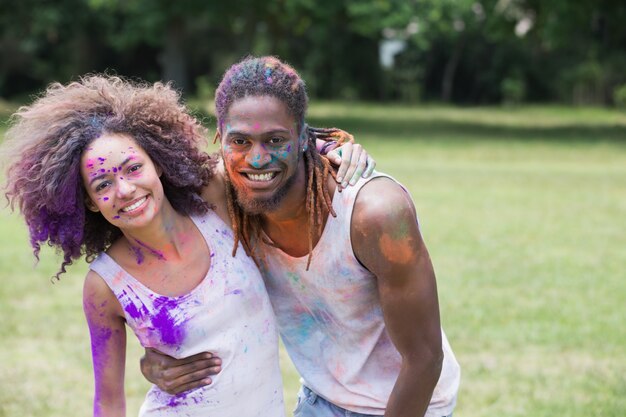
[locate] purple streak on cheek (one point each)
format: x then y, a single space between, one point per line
165 322
116 217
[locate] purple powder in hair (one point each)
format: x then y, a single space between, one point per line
169 325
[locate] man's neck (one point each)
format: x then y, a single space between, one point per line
292 208
288 226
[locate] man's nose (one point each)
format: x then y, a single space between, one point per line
258 156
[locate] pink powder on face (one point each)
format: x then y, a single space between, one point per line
256 126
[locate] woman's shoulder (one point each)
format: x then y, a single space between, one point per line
98 296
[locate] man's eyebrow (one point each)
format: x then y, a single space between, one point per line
104 174
250 133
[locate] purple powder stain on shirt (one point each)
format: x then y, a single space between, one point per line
165 322
135 312
236 292
130 306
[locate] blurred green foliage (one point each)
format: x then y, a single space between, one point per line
462 51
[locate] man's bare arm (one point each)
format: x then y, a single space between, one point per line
387 241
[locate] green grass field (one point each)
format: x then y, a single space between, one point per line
524 213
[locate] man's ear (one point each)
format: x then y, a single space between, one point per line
303 139
218 136
91 206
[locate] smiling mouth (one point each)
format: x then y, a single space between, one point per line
268 176
135 205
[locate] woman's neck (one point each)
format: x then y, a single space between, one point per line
166 238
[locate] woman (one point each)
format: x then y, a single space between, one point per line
114 171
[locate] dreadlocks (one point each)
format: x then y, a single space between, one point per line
268 76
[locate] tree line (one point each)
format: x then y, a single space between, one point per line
461 51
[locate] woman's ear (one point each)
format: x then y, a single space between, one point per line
158 170
91 206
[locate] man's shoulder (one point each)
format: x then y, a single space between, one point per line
381 198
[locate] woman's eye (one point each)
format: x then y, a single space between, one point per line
134 168
102 186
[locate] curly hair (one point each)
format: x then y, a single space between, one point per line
268 76
46 140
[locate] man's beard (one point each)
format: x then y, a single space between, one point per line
262 205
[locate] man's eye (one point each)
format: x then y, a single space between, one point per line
276 141
239 142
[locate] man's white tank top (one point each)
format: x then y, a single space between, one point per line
331 322
228 313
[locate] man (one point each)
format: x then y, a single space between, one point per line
348 274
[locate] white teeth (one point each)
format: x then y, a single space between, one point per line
261 177
134 205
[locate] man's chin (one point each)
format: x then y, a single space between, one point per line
258 206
